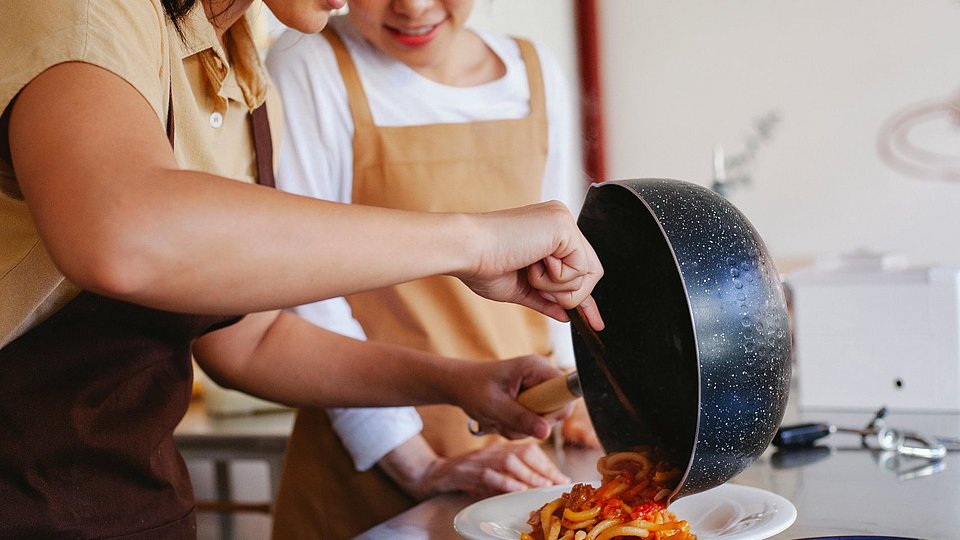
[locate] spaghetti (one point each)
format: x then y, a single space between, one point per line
631 502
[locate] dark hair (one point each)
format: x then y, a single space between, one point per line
176 9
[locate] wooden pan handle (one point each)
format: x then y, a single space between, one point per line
551 395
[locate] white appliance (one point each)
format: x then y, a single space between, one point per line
869 331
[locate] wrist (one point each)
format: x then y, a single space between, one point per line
469 236
444 377
431 482
413 466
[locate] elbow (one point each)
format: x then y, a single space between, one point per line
114 266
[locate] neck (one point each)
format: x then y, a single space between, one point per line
223 13
468 62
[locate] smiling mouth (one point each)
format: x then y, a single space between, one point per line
418 31
415 36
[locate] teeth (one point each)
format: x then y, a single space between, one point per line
415 31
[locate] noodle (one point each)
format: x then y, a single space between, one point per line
630 503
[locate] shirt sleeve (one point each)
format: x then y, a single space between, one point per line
126 37
316 160
369 434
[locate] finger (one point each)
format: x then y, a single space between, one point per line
536 301
516 468
518 435
499 482
592 313
515 420
560 415
544 281
535 370
554 267
531 426
542 469
538 270
587 267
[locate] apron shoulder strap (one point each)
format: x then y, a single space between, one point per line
357 98
262 140
534 77
170 130
263 146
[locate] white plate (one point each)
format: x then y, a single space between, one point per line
728 512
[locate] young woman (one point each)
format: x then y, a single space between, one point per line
399 105
133 234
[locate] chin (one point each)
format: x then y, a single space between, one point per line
308 24
317 23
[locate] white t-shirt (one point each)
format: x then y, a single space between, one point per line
316 160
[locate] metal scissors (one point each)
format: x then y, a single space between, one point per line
903 442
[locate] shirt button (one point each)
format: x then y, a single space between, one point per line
216 119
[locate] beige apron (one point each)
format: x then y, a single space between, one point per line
471 167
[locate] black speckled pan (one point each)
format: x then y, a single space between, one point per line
697 330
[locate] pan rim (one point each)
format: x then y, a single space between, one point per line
693 323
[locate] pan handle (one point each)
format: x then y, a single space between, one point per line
549 396
552 394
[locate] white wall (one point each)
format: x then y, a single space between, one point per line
684 75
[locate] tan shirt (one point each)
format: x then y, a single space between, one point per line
134 40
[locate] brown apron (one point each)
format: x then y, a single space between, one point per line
89 399
471 167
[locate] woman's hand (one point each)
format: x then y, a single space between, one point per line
487 392
497 468
557 266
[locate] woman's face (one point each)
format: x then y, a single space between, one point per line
307 16
418 33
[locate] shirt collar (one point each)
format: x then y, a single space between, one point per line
200 39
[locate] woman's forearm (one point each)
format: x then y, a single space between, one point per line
119 217
241 248
280 357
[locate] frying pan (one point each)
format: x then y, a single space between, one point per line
695 356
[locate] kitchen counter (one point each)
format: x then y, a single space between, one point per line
838 487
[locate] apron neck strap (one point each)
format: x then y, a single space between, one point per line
534 77
263 146
360 108
170 130
262 140
357 99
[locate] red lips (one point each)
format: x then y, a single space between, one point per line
414 40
